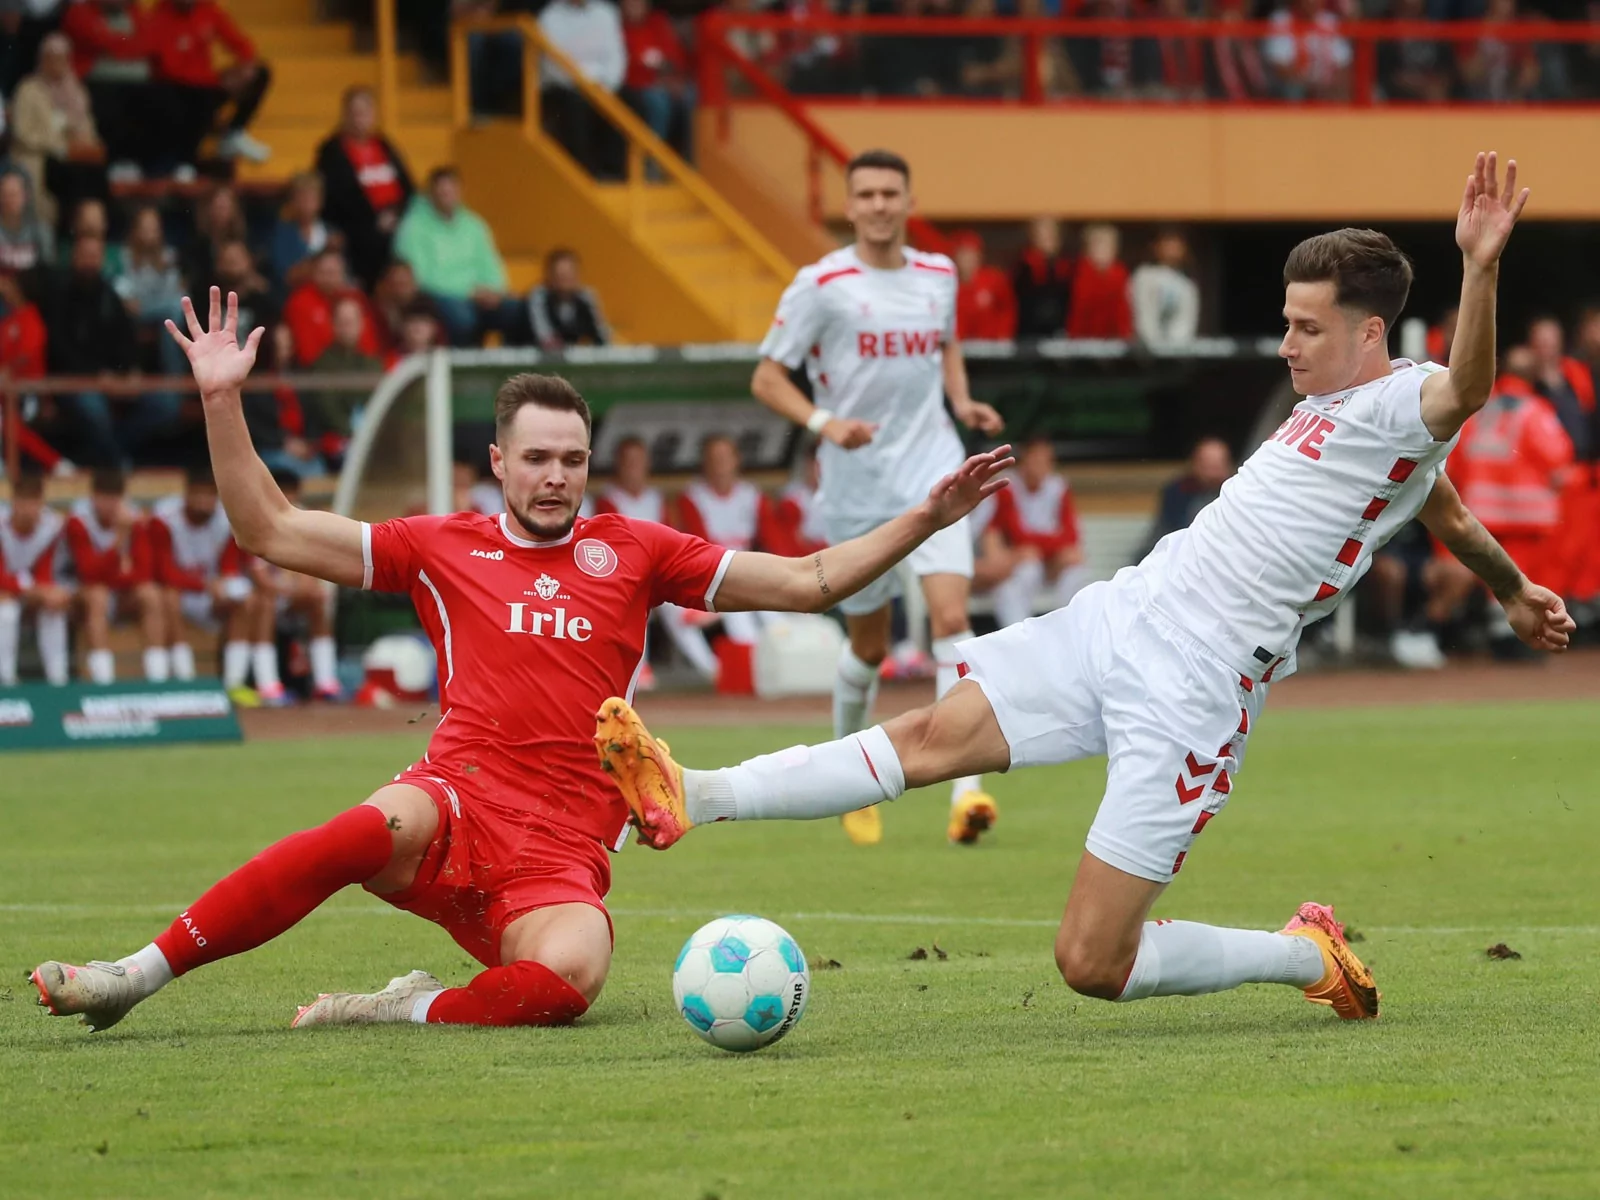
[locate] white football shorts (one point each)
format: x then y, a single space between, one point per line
1111 674
948 552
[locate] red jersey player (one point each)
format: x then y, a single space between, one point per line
1039 522
109 545
30 534
500 834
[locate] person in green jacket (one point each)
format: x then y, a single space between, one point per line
452 252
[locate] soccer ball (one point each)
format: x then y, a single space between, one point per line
741 982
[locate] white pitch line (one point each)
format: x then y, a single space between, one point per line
140 910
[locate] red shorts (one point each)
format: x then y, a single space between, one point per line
485 867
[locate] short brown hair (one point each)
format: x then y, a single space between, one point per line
28 485
886 160
1369 272
108 481
541 391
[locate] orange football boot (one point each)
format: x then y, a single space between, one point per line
642 767
971 816
1346 984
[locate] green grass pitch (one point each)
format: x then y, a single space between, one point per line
1436 831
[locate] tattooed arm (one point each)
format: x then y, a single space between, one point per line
819 581
1536 613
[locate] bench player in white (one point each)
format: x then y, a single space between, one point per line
30 537
874 324
1165 668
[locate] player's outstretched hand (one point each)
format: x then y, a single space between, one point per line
975 414
954 496
1540 618
849 432
1488 212
219 362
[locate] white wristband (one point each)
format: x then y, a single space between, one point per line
819 417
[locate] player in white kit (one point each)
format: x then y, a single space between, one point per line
30 536
1165 669
874 324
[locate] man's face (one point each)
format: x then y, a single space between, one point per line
1522 362
361 115
879 205
233 264
13 196
90 221
200 502
327 275
419 333
1037 463
633 466
106 506
446 194
542 461
564 275
719 463
88 257
25 514
1546 340
399 285
1044 234
349 323
969 258
1324 344
1213 464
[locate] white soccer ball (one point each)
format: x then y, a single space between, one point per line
404 661
742 982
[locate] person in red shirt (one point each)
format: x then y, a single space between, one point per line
500 833
1038 520
30 533
23 341
366 185
109 544
986 307
1100 305
308 312
184 36
798 529
111 52
657 84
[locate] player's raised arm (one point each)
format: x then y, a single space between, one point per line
264 522
1488 214
817 582
1536 613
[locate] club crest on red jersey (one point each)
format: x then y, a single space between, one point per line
546 587
595 558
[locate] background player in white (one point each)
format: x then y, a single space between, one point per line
1165 668
30 534
874 324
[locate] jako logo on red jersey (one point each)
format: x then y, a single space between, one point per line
898 343
527 619
497 555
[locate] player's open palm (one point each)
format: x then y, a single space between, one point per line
1540 618
1488 211
957 494
219 362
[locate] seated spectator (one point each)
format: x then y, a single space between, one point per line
367 186
309 309
1414 69
657 84
1563 381
30 532
24 24
420 330
220 218
630 491
993 560
589 32
798 529
109 545
1037 518
236 272
152 290
1210 466
394 295
1442 336
136 116
1171 68
1308 57
561 311
300 232
348 354
90 219
1042 282
284 432
1407 596
1100 307
1166 302
185 36
22 356
905 64
200 572
26 243
1236 61
282 593
452 252
1499 71
986 307
53 134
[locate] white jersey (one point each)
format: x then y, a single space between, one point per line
22 557
197 548
1296 528
648 505
813 530
732 520
873 345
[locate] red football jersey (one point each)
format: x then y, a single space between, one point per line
531 638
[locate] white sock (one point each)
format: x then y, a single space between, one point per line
324 664
264 660
183 662
157 664
235 664
1183 958
419 1010
946 676
802 783
10 625
855 688
53 647
102 666
153 965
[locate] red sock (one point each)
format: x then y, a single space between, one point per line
277 888
525 993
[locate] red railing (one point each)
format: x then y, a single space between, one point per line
1035 34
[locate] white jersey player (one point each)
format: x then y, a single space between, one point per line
30 542
1165 669
874 325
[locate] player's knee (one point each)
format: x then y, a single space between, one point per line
96 599
948 618
1088 971
913 738
585 972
